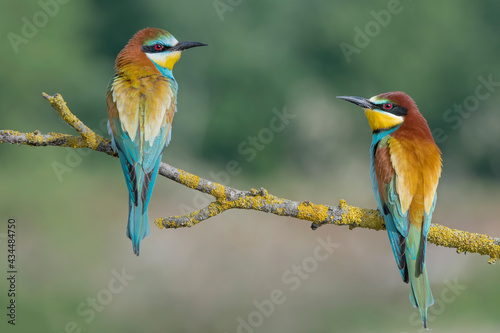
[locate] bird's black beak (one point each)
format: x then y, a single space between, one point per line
186 45
360 101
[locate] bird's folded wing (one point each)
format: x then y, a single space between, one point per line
140 118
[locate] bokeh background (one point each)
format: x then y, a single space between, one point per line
263 55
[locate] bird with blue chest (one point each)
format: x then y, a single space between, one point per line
405 170
141 100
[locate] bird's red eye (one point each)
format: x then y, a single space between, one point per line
158 47
387 106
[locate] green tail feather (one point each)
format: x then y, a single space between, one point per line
138 225
420 293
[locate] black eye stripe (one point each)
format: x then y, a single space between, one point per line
152 49
399 111
396 109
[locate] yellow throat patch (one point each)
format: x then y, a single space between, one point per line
380 120
171 59
166 60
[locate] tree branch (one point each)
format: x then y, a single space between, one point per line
260 200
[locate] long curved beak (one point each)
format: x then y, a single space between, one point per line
360 101
186 45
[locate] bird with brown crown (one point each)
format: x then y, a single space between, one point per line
405 170
142 100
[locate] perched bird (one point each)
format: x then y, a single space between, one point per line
405 170
141 100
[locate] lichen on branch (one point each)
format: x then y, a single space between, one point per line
227 198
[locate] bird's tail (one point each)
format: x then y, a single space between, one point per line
420 291
138 224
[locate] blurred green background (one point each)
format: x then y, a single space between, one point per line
263 55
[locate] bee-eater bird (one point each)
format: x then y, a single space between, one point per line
405 170
141 100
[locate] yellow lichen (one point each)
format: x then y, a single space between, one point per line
357 217
159 223
271 199
215 208
312 212
243 202
91 139
255 201
219 192
188 179
13 133
464 241
343 204
371 219
34 138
